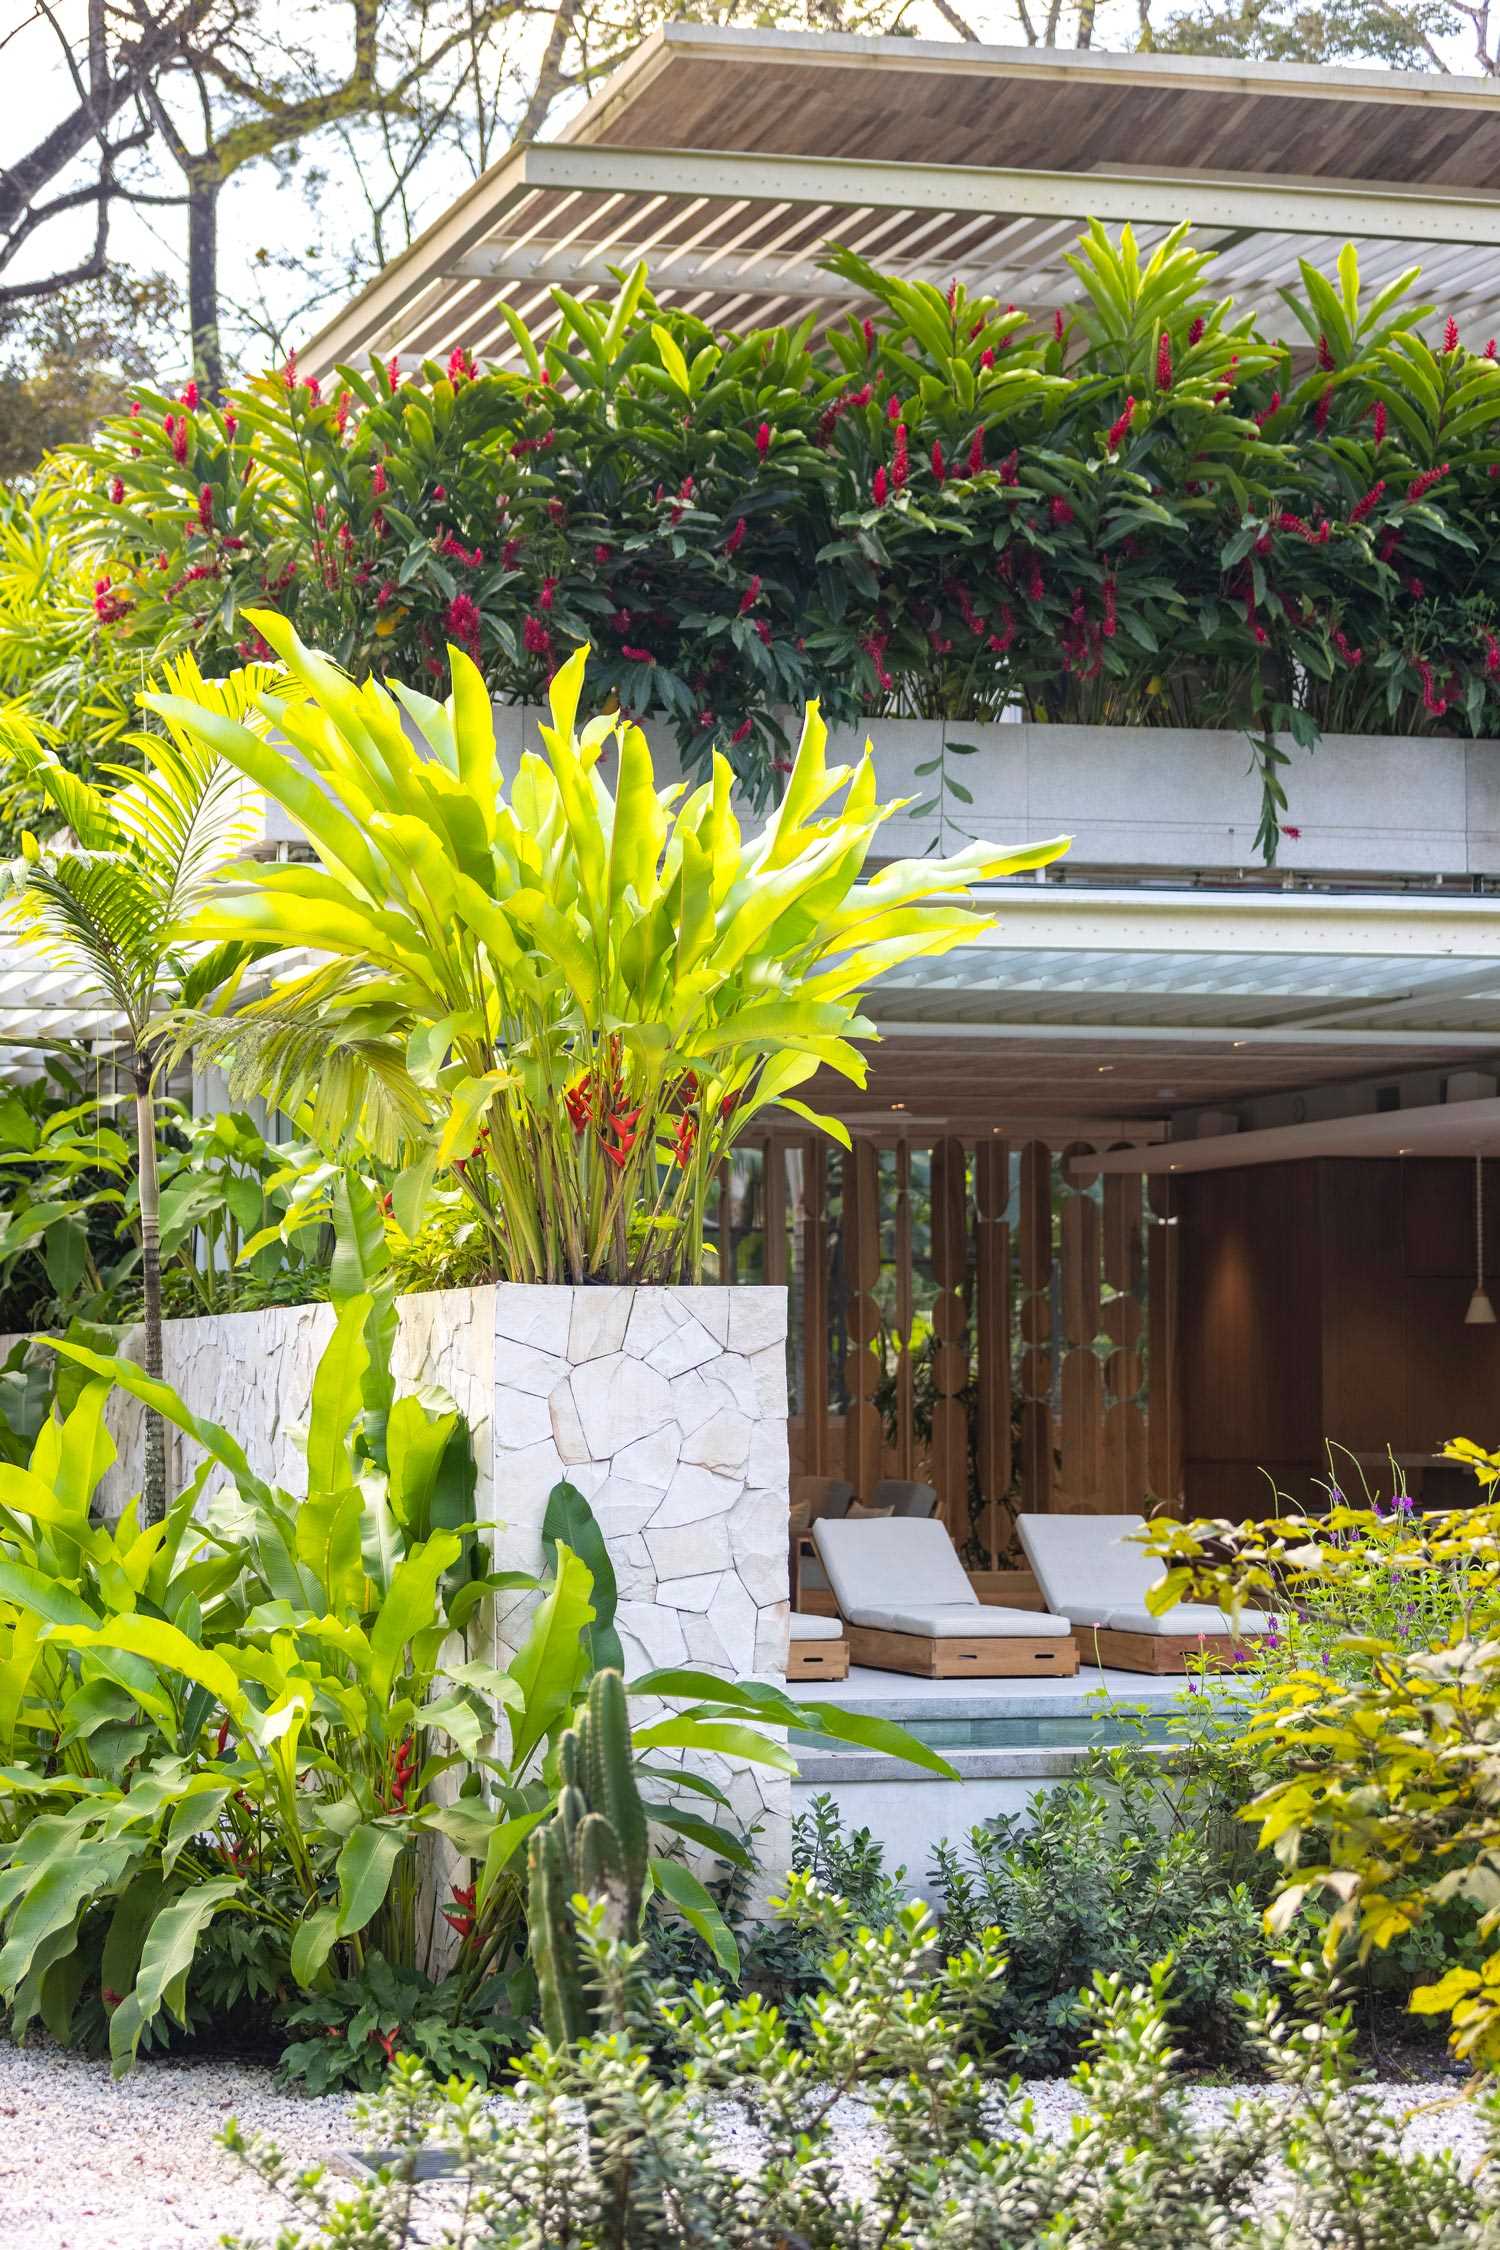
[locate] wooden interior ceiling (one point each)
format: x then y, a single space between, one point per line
913 100
1022 1087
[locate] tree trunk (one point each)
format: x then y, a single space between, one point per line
154 1484
203 280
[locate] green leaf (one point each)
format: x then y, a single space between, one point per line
166 1958
314 1941
684 1891
721 1738
571 1522
550 1664
410 1607
366 1865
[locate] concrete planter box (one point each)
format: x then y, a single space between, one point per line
665 1407
1165 797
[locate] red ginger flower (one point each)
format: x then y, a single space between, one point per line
1117 430
742 730
461 622
1422 485
1010 467
976 453
1164 362
378 479
736 539
1322 410
750 596
1450 334
544 598
900 463
986 357
179 432
1196 331
636 655
117 490
939 466
1368 502
1377 421
535 638
879 485
1058 324
205 507
763 440
1325 356
868 327
231 424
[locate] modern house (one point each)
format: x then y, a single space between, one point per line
1177 1171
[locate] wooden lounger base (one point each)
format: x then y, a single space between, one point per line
984 1657
817 1660
1155 1652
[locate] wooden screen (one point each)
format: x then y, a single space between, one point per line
992 1319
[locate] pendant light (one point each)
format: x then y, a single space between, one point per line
1481 1313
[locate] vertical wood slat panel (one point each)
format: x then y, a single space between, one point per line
992 1319
950 1247
773 1208
814 1223
1036 1325
1164 1424
863 1432
906 1432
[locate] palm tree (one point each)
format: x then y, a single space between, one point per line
108 900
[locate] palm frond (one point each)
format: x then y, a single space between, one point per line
95 918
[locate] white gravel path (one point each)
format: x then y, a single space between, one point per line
87 2164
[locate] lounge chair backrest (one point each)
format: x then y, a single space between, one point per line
822 1496
908 1559
1086 1565
904 1498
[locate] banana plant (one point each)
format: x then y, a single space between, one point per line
569 999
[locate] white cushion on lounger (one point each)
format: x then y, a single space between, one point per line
1187 1617
1089 1568
951 1621
898 1569
804 1626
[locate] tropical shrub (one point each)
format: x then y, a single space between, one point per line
596 2149
1382 1745
558 1004
264 1707
1148 514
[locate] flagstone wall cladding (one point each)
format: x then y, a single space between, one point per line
665 1407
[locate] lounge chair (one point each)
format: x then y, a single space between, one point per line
1093 1572
816 1648
903 1498
909 1607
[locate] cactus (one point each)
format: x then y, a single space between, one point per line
594 1845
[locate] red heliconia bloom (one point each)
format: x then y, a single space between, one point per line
622 1123
1367 503
750 597
461 622
1164 362
1195 333
1325 355
986 357
544 598
939 466
222 1737
1117 430
878 487
378 479
1450 334
1058 324
1422 485
736 538
763 440
687 1134
535 638
205 507
577 1099
117 490
729 1105
900 462
976 453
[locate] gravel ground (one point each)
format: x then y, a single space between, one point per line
86 2164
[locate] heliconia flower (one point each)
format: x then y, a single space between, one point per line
939 467
1422 485
763 440
1325 355
461 622
535 638
577 1099
205 507
900 463
117 490
736 538
1118 429
1059 325
750 597
1164 362
1195 333
1367 503
1450 334
976 453
878 486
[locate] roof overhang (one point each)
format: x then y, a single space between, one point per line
730 160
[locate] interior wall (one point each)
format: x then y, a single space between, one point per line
1322 1302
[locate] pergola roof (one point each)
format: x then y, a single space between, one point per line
730 159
